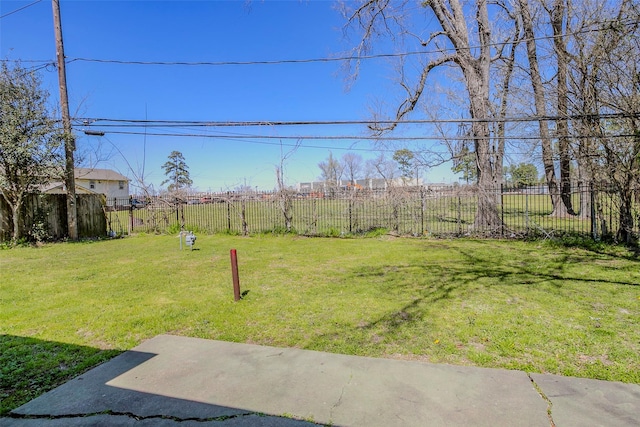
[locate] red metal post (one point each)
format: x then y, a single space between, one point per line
234 273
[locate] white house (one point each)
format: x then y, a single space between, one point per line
96 181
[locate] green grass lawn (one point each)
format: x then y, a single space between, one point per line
534 306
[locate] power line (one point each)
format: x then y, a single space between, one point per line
19 9
272 123
298 144
339 58
349 137
48 61
286 137
329 59
238 139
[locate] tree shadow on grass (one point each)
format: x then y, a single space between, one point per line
629 252
423 283
30 367
532 270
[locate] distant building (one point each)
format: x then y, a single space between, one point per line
95 181
365 184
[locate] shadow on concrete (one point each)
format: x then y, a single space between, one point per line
94 398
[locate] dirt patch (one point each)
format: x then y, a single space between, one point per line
589 360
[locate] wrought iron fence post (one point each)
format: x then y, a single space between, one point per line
350 215
594 227
422 201
526 210
130 215
502 209
459 214
314 216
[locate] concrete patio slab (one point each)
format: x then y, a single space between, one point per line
584 402
171 380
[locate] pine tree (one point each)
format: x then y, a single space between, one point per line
177 172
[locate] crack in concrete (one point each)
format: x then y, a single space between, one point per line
545 398
130 415
339 401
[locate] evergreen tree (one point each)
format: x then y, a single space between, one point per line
177 172
523 174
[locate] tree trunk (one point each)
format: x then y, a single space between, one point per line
585 179
476 73
585 105
625 230
15 212
284 197
504 96
487 216
243 216
557 22
559 208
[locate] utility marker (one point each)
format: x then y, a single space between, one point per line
234 273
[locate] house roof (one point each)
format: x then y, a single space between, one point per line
99 174
58 188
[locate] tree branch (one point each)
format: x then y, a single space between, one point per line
413 96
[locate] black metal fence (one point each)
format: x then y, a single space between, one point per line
417 211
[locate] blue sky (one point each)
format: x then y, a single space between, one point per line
204 31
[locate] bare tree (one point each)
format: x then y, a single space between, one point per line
458 49
331 172
558 15
582 91
352 165
284 195
559 209
507 65
606 76
384 168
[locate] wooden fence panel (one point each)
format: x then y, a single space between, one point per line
6 225
47 212
45 217
91 219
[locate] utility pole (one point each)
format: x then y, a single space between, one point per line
69 139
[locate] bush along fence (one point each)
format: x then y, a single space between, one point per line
416 211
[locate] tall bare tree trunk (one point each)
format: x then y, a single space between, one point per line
558 15
585 104
476 72
502 112
487 216
559 208
588 127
